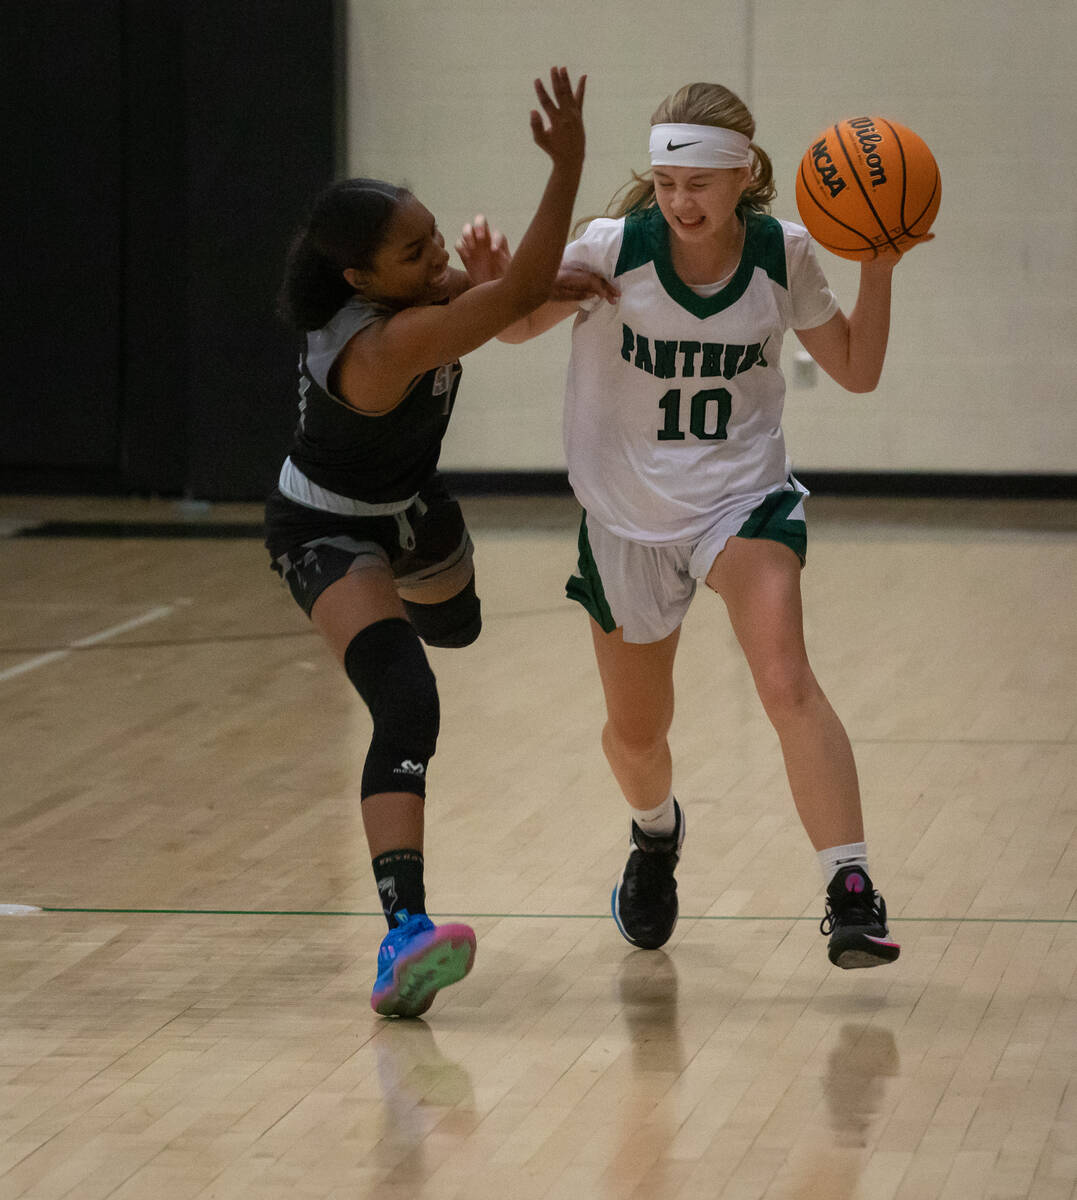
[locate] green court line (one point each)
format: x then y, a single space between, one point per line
299 912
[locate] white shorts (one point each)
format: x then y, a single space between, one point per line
645 590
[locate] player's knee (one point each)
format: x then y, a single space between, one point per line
634 741
786 689
453 622
388 667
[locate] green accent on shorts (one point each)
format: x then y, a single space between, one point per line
771 521
586 588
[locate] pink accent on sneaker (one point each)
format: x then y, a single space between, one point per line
854 883
430 961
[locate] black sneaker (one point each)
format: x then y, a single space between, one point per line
856 921
644 901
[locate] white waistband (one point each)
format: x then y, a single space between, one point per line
296 486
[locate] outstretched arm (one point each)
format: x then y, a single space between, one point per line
379 362
574 284
485 254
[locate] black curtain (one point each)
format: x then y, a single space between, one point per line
163 153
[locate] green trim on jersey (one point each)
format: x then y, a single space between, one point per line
586 588
646 240
770 520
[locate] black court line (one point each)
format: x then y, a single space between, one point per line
163 643
142 529
235 638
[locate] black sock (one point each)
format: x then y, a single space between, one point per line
399 874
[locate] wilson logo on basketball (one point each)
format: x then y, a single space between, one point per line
824 165
893 193
869 138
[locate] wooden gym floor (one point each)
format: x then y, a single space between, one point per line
185 1016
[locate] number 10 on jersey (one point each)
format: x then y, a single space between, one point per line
708 415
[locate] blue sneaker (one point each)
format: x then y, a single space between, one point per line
416 960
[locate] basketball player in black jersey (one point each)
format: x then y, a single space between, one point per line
360 526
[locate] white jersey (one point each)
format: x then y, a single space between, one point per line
674 400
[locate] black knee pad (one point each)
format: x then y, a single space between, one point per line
454 622
387 664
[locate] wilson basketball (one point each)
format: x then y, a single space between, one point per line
867 184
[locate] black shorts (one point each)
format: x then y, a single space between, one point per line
311 549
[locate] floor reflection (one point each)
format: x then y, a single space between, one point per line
855 1081
418 1084
854 1088
648 987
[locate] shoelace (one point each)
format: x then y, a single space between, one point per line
654 871
856 910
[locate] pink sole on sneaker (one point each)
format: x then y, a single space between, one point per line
431 963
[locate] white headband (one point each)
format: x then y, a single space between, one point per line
698 146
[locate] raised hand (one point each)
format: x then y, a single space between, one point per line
483 251
563 139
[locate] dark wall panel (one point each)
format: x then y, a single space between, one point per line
259 144
60 288
156 340
164 152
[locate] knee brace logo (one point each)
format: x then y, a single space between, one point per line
407 767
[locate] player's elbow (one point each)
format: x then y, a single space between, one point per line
859 378
850 380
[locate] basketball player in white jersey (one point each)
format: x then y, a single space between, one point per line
673 439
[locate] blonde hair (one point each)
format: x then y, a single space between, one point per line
701 104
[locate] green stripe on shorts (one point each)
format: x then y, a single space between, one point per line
771 521
586 588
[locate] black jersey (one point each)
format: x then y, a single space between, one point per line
377 459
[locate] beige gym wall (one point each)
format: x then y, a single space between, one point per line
980 371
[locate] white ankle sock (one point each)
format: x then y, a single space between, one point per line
834 858
657 822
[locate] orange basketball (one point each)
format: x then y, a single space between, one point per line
865 184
